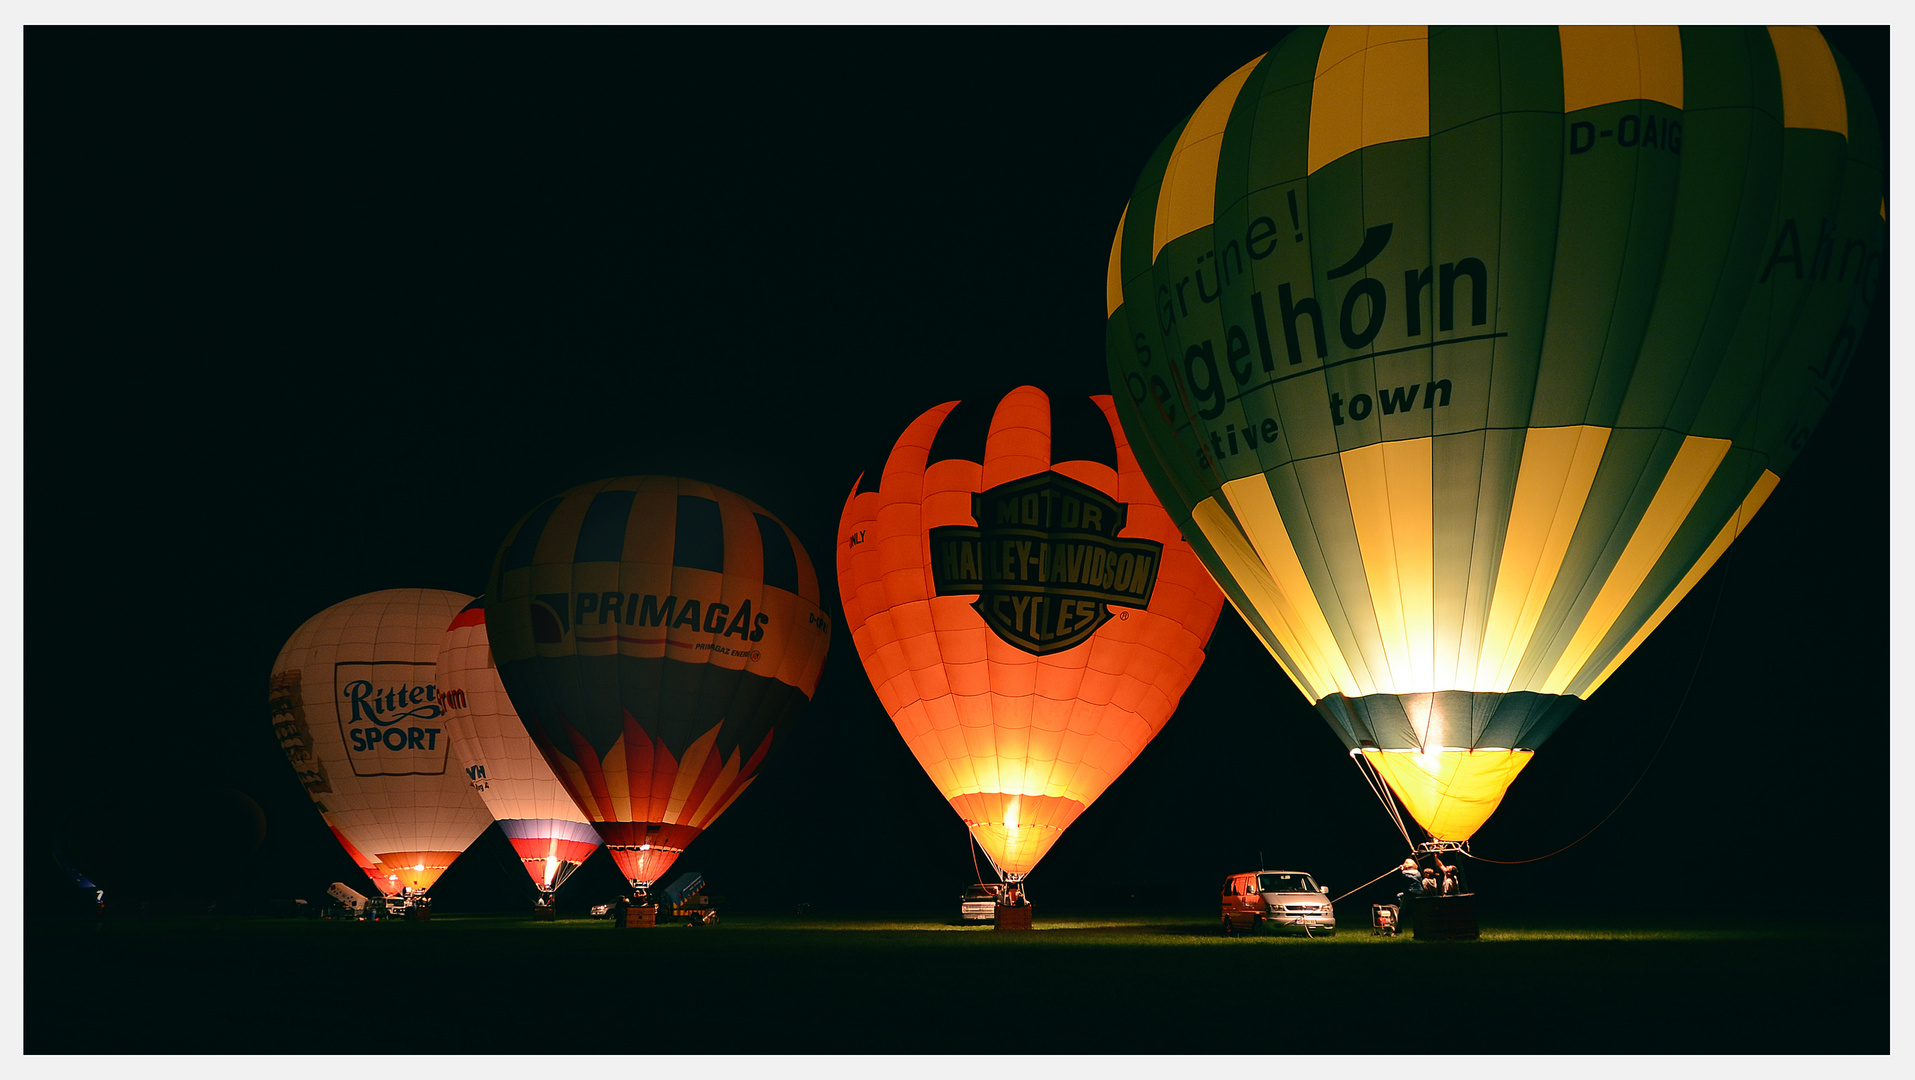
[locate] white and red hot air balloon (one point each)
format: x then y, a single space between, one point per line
503 764
356 707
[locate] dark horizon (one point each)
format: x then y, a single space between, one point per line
321 314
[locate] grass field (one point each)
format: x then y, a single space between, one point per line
1135 984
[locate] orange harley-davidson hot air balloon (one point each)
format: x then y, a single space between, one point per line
1027 612
655 635
355 704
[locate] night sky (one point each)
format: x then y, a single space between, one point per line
317 313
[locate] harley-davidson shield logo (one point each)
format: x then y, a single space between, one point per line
1046 560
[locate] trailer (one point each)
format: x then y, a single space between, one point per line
684 902
347 902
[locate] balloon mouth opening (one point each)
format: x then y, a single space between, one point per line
1450 791
1437 752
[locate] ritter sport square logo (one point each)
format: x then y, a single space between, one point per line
1045 559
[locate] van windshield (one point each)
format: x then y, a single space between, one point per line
1285 883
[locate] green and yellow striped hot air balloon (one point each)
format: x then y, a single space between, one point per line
1461 353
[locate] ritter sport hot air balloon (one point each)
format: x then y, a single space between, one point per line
356 707
503 764
1025 609
655 635
1461 353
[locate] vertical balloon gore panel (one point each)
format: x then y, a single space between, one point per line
357 711
1027 613
654 635
1459 393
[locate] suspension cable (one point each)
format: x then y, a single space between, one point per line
1707 633
970 845
1383 796
1367 884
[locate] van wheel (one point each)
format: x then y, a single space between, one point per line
1229 928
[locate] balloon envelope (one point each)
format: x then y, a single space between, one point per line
1025 609
357 712
1461 353
501 761
655 634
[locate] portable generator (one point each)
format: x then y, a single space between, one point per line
1384 919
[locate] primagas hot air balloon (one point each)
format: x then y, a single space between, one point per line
655 635
355 704
503 764
1025 609
1461 353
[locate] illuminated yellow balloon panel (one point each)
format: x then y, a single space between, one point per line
1024 608
356 707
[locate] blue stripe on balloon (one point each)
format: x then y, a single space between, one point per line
542 828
